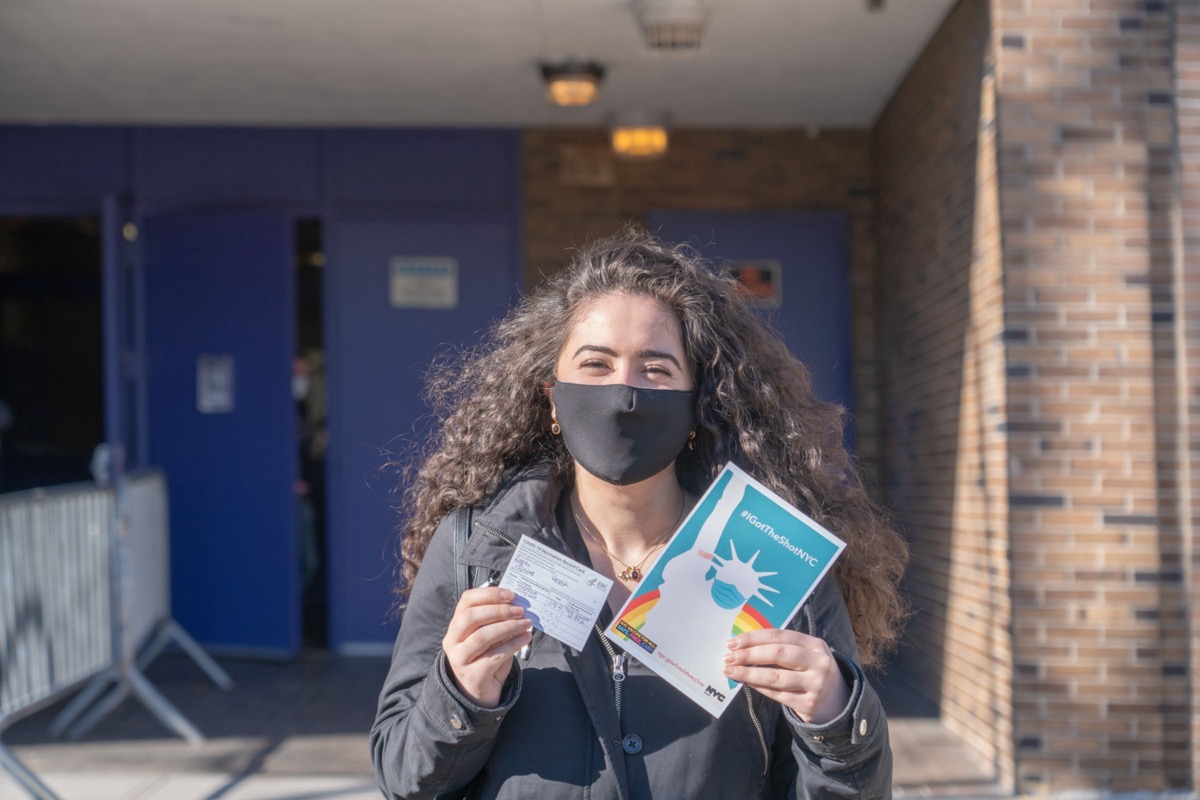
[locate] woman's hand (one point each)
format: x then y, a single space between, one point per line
484 634
792 668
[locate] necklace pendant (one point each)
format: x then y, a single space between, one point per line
631 574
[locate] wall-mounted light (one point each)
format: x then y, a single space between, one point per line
639 137
572 83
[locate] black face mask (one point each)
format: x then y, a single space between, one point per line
621 433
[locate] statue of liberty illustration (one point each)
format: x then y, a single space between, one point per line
703 591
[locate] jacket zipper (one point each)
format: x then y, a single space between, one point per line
619 661
762 737
498 534
494 578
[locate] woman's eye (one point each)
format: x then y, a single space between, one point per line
593 363
659 370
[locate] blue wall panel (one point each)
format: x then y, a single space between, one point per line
231 166
378 355
63 166
813 251
425 169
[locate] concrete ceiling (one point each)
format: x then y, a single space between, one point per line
763 63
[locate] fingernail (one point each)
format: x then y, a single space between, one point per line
731 644
729 658
506 595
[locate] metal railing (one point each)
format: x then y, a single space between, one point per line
56 589
85 602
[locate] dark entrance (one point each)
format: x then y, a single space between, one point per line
51 373
310 393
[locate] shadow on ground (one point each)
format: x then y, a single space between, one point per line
307 716
311 716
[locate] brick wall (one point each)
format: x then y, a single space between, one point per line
942 346
1037 394
1186 275
575 191
1085 131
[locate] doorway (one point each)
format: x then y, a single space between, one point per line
51 352
309 391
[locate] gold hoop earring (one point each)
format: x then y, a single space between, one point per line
555 428
692 440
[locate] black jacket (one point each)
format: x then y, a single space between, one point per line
557 732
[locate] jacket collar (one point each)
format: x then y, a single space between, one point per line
524 505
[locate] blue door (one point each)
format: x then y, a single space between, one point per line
810 303
399 293
220 333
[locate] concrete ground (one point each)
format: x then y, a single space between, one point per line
298 730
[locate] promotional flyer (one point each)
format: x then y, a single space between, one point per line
742 560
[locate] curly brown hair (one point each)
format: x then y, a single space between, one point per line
755 406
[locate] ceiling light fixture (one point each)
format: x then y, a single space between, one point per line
672 26
572 83
638 137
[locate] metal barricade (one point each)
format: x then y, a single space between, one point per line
143 626
56 604
85 601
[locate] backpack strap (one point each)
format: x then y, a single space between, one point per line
462 530
466 577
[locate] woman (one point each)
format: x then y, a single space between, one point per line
591 421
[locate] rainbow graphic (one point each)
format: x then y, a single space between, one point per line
749 620
638 608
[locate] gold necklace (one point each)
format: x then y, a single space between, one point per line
633 573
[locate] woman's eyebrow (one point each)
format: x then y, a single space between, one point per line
595 348
659 354
608 351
